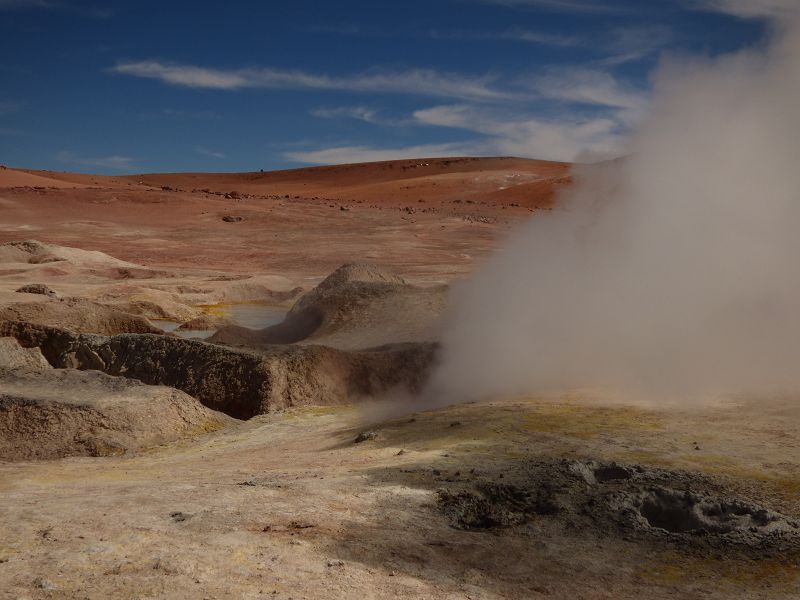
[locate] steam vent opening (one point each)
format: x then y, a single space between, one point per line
671 511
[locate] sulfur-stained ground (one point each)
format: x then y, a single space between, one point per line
288 506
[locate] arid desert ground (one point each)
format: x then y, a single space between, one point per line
202 380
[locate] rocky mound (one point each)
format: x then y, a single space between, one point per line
36 288
356 306
34 252
237 382
688 509
78 315
57 413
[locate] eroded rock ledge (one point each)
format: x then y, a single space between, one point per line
240 383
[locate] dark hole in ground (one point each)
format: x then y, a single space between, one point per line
671 511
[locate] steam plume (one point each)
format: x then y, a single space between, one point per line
675 270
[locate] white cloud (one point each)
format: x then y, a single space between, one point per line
113 162
425 82
185 75
355 154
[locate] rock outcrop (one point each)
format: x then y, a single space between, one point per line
241 383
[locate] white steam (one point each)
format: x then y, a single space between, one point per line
674 271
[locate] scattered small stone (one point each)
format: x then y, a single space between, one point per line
233 195
436 472
248 483
301 525
179 516
365 436
232 218
455 423
335 563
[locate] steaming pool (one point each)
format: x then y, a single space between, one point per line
251 315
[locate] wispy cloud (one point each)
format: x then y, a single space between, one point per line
589 87
354 154
615 46
113 162
630 44
209 153
423 82
591 114
567 138
518 35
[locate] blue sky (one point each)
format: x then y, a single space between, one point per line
121 87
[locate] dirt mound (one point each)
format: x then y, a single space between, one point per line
356 306
14 356
57 413
17 178
78 315
34 252
204 323
684 508
239 383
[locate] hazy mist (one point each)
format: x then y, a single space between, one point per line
670 273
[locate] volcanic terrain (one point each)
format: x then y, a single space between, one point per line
208 389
